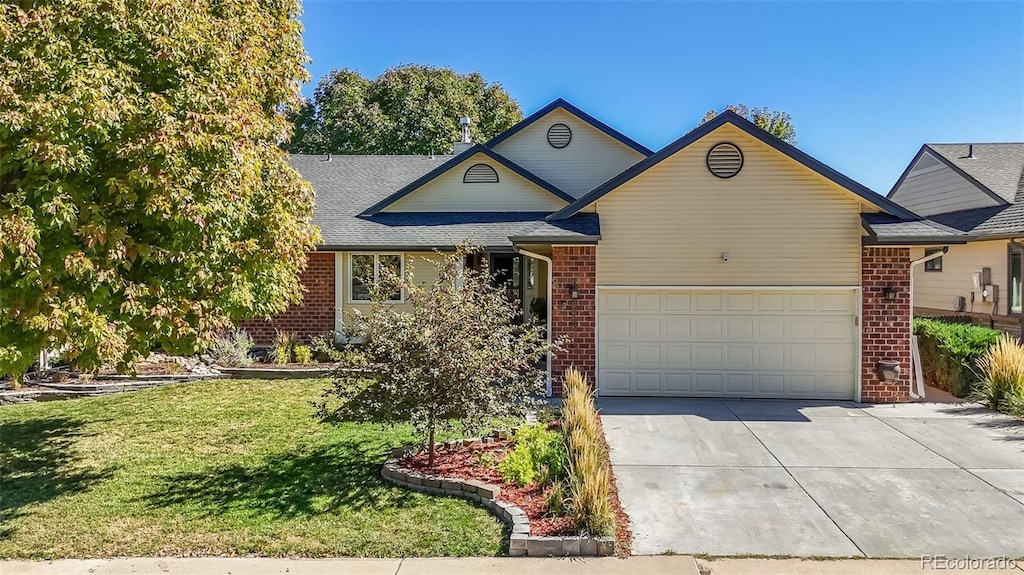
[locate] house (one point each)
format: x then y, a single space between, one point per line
727 264
976 190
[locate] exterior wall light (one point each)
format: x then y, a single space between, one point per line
890 292
573 292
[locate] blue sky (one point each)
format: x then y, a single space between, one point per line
866 83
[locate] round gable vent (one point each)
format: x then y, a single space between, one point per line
725 160
559 136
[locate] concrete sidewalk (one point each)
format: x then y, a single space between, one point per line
678 565
656 565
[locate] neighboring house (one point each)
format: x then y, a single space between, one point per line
978 190
727 264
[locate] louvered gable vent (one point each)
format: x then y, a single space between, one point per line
480 174
725 160
559 136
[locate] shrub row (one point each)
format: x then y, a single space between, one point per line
589 478
950 352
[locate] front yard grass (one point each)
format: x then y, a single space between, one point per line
227 467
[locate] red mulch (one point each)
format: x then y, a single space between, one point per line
464 463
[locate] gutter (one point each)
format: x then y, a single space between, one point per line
915 351
548 298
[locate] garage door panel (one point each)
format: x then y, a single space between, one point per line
730 343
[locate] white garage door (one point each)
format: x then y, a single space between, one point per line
792 343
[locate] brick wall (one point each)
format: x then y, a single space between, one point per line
314 315
886 324
573 318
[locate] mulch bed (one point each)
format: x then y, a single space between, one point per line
465 463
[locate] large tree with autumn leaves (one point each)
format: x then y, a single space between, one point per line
144 198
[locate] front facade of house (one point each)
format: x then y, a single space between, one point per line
728 264
978 191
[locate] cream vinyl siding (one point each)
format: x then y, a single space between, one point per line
447 193
938 290
932 187
781 223
590 159
417 263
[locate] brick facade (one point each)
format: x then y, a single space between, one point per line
573 318
886 325
314 315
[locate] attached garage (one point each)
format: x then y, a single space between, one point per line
728 342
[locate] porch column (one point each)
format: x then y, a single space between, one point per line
887 325
573 270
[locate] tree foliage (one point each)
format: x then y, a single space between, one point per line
144 199
409 109
455 358
776 123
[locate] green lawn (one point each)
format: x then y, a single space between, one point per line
214 468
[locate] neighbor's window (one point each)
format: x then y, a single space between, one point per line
365 269
1015 279
934 265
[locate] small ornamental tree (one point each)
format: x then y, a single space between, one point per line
452 358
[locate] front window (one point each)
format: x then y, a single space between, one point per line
933 265
1015 279
366 269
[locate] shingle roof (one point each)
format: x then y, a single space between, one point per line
998 167
1005 220
345 186
887 229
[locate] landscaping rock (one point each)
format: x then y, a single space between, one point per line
517 545
472 485
523 528
453 485
605 546
415 479
571 546
588 546
432 482
543 546
488 491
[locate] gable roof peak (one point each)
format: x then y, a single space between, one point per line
575 111
730 117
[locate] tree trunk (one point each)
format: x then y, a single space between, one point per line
17 379
430 447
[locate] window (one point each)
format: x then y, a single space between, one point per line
1015 279
365 269
934 265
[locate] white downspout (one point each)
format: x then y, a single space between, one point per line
547 298
915 351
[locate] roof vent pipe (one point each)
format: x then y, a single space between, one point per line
467 137
970 151
328 157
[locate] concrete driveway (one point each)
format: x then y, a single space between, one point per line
806 478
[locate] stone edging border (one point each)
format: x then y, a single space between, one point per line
520 542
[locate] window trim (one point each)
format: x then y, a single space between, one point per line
930 265
376 275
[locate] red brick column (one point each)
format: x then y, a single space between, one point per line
314 315
573 318
886 325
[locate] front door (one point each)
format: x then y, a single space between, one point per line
507 272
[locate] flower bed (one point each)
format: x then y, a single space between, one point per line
552 482
464 462
409 469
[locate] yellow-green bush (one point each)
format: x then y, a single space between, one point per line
950 351
589 481
1002 373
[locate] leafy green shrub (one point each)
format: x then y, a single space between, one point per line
950 351
535 447
232 349
325 349
589 480
1002 372
303 354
